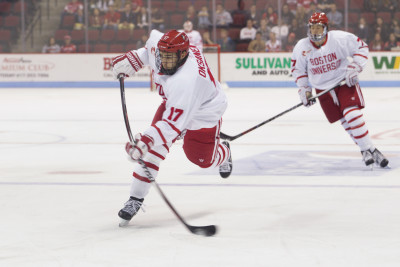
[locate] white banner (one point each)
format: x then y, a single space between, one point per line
237 70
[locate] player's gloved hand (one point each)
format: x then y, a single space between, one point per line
140 147
352 72
126 64
305 92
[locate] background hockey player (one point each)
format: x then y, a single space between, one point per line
322 61
192 108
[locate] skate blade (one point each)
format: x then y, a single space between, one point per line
123 223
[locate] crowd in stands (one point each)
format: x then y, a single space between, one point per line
10 20
252 25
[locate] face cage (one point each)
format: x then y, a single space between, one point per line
160 67
316 37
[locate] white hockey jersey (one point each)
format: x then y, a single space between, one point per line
324 67
194 99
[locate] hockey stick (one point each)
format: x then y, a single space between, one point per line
231 138
208 230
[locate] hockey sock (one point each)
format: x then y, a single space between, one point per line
222 155
140 183
347 129
358 128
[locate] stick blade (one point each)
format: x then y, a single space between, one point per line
208 230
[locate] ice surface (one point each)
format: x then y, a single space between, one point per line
299 194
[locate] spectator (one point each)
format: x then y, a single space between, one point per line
157 19
142 41
273 44
301 16
248 32
128 18
292 4
68 46
70 9
143 18
377 43
207 38
306 4
119 5
381 28
335 18
223 18
241 11
193 35
136 6
291 42
287 16
191 15
103 5
298 30
270 15
204 18
96 20
111 19
395 28
313 9
362 30
264 29
372 5
392 43
255 16
51 46
257 45
281 31
79 20
389 5
225 42
324 5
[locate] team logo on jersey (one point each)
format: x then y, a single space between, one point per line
160 91
304 53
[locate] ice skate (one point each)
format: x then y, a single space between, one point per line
367 158
225 168
130 209
379 158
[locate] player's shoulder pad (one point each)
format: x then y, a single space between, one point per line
302 44
340 34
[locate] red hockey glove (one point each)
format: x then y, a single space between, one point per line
126 64
352 72
305 92
140 148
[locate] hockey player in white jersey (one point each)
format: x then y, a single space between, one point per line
322 61
192 108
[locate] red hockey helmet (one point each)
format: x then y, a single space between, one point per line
319 18
172 42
